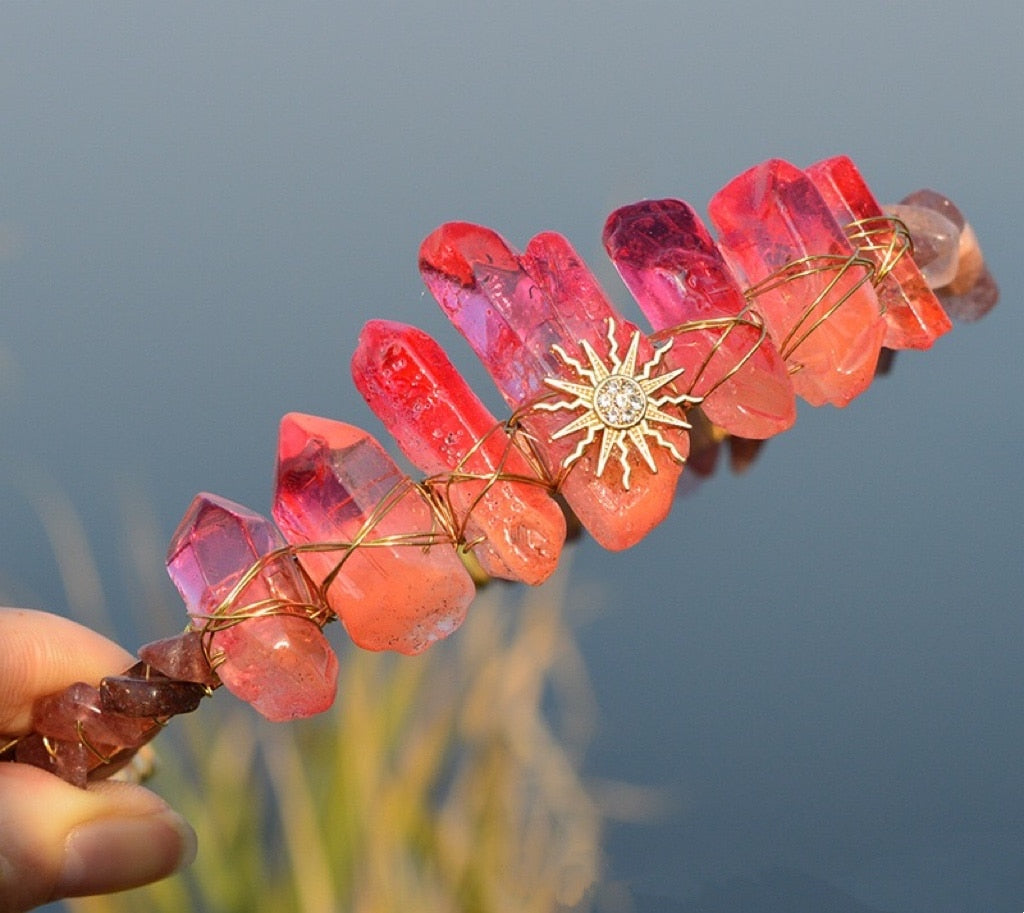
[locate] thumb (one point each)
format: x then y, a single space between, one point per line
60 841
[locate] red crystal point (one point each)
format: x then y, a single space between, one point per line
495 493
266 648
669 262
386 567
913 315
827 327
514 310
478 281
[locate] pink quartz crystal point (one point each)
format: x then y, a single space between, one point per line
913 315
403 587
441 425
668 261
513 309
773 215
277 659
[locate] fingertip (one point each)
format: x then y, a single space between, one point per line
117 853
60 841
43 654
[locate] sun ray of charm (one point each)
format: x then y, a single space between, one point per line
618 401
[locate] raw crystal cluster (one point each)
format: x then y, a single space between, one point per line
809 282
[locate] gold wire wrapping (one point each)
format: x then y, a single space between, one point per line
450 524
747 317
880 242
815 264
884 239
449 529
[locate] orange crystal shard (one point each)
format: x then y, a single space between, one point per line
825 319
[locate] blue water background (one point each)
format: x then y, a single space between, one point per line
819 663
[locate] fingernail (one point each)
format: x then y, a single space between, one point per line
113 854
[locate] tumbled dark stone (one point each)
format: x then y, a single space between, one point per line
153 697
75 714
68 760
181 658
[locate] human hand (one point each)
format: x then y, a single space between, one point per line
57 840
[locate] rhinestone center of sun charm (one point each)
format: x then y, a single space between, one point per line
618 400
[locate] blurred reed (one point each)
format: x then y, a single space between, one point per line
436 783
443 782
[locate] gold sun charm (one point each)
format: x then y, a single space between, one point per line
618 402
